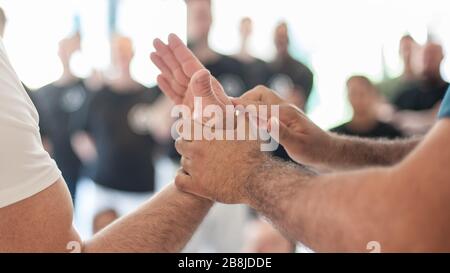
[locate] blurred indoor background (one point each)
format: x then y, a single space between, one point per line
334 39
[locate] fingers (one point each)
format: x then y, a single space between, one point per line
184 147
279 131
167 75
183 180
219 92
176 87
206 86
189 63
246 102
262 94
202 87
186 164
167 57
160 64
289 113
167 89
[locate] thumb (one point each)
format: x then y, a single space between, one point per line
202 84
279 131
202 87
244 102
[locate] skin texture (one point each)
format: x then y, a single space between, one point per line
164 224
308 144
43 223
305 142
343 211
338 211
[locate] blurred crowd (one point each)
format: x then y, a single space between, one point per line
112 130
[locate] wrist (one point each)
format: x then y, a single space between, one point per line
203 202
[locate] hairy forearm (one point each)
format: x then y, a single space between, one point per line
354 152
344 212
164 224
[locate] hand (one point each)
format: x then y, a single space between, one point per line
304 141
216 169
178 65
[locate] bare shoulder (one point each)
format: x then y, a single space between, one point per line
40 223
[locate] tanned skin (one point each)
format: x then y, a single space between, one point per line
404 206
308 144
354 152
178 64
43 223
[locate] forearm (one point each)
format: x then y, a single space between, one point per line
164 224
344 212
354 152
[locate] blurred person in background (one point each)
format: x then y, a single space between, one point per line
363 97
60 105
260 236
217 233
292 79
36 211
227 70
408 51
256 71
123 151
419 104
305 205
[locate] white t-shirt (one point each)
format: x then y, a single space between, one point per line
25 167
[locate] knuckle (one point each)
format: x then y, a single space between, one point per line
180 182
260 87
183 161
178 145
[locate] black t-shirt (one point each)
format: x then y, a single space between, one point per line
125 152
256 72
290 72
229 72
60 110
380 130
421 96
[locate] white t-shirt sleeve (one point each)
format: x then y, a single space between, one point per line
25 167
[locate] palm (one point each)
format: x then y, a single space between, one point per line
177 65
